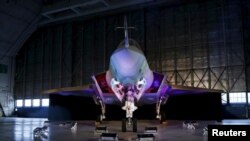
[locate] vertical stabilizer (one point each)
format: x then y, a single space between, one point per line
126 32
125 27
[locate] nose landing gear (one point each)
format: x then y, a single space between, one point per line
129 123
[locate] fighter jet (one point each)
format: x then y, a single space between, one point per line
129 82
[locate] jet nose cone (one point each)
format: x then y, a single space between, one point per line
126 61
126 57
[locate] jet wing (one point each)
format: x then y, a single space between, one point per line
182 90
173 90
85 91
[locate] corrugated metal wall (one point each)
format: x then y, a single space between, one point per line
246 33
197 44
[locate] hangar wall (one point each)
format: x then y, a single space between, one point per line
201 44
246 35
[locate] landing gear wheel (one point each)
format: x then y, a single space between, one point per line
134 125
98 120
163 118
124 125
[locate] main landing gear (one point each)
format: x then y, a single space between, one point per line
161 115
101 117
129 123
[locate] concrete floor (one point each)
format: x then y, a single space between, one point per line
21 129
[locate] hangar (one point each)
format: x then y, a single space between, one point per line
53 44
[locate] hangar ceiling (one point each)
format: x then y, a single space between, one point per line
70 9
20 18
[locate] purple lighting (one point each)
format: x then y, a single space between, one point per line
158 78
156 83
